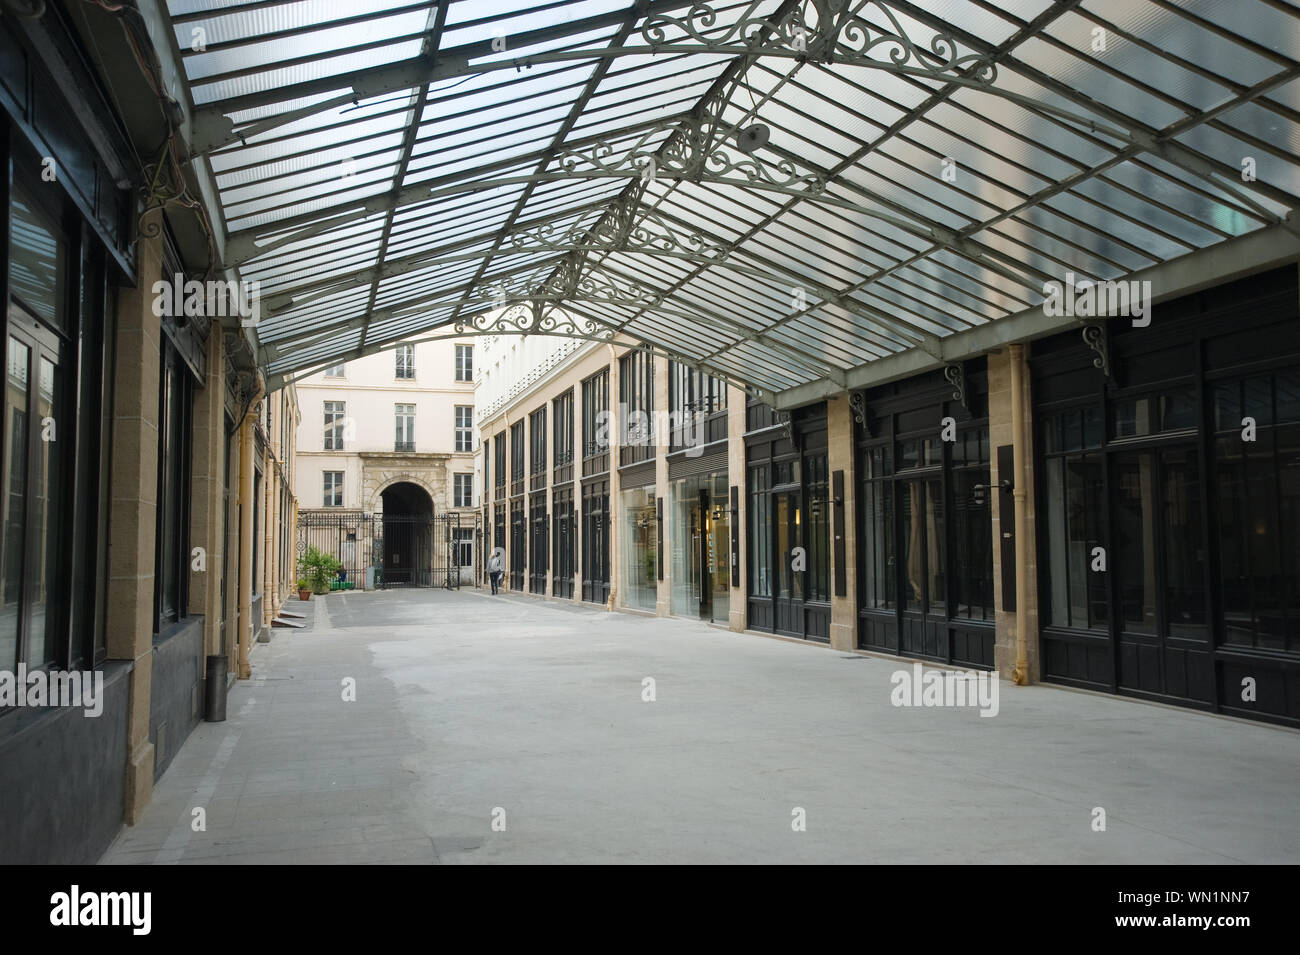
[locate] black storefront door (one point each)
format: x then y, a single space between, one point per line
924 618
1158 572
791 564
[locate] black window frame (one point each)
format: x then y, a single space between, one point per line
175 451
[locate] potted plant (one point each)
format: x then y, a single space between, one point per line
319 569
304 589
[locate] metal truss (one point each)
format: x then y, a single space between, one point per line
571 271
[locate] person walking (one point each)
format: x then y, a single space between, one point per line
496 567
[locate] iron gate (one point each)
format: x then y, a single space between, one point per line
380 551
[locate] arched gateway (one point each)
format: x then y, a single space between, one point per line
409 543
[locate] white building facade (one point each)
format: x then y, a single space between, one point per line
388 442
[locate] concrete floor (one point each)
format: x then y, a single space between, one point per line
468 704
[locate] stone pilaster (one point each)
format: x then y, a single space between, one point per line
1000 434
663 490
840 457
738 477
134 510
208 480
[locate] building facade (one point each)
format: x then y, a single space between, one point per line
386 465
149 502
1113 508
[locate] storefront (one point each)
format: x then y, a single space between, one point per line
789 522
563 519
562 542
595 488
925 551
1169 490
639 540
595 540
701 546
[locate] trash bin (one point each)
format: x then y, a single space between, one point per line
215 689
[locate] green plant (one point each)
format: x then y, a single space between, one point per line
319 569
304 584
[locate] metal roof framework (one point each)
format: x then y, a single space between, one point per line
388 171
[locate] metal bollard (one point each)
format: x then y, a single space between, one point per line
214 689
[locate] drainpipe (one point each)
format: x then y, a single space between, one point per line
1020 675
246 533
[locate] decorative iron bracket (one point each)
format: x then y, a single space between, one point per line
955 375
1097 337
858 405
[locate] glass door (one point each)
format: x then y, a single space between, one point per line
922 565
31 589
718 551
1158 565
791 564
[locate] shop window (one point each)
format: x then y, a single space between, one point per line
562 443
37 262
595 412
1258 509
760 533
516 455
692 394
537 439
925 538
818 536
1173 410
499 464
39 440
636 383
173 548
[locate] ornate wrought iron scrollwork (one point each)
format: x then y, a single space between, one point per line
688 152
1097 338
955 375
824 31
534 318
651 234
858 405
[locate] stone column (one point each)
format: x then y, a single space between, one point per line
738 477
133 515
270 482
246 505
840 457
208 481
663 489
614 512
579 451
1001 433
234 555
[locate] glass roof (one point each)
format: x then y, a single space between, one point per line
780 191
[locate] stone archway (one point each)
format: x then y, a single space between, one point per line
376 482
409 539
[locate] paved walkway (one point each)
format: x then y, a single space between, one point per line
471 709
